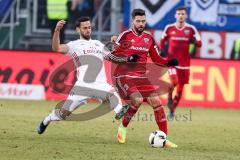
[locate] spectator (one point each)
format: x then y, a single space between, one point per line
79 8
57 10
235 55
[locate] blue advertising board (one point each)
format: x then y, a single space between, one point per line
4 6
212 15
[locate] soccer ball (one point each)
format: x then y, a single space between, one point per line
157 139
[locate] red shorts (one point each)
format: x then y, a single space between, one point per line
179 76
128 85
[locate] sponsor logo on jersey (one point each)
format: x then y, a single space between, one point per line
139 48
179 38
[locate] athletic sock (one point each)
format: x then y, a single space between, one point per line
128 116
177 97
118 108
176 100
160 118
53 116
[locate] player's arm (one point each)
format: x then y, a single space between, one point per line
156 58
109 51
196 39
114 39
56 46
163 41
113 51
110 56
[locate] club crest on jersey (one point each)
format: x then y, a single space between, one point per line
146 40
132 40
186 32
204 4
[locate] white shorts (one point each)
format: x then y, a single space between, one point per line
81 92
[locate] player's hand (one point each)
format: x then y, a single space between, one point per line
60 25
114 39
162 53
133 58
172 62
192 40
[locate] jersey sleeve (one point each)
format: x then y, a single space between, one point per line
197 37
155 55
108 55
121 38
164 38
104 50
119 45
70 46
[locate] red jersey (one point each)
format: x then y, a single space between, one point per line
178 42
130 43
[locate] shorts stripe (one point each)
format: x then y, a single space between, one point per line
120 85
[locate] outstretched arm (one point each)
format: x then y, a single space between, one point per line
108 55
196 37
56 46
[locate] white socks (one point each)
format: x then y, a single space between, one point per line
52 117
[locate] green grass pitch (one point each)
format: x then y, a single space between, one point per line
201 134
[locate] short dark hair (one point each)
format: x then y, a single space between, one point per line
182 8
82 19
138 12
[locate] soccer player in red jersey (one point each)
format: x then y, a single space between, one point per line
179 36
131 79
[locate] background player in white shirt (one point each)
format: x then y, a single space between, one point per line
92 85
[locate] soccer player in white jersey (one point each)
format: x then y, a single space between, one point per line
77 49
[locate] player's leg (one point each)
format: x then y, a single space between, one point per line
128 91
116 103
160 117
174 81
183 78
61 112
177 97
106 92
137 100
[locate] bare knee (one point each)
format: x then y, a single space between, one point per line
137 99
154 100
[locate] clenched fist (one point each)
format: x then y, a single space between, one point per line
114 39
60 25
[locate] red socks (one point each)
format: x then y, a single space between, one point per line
128 116
160 118
177 97
159 114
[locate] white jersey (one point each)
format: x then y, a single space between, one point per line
88 54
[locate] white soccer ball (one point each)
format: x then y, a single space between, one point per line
157 139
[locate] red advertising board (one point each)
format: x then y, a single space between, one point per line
213 83
33 68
